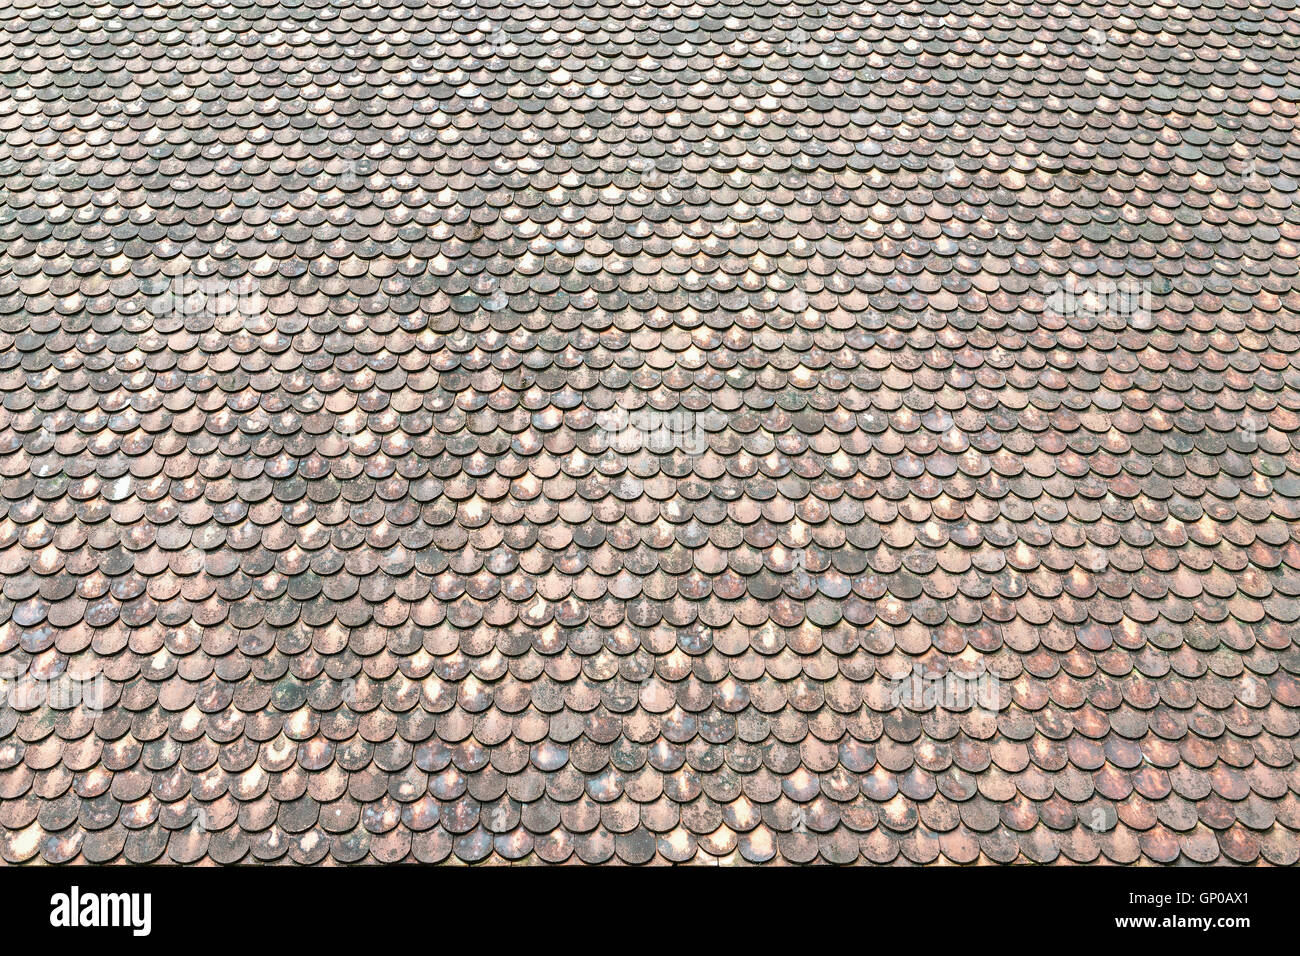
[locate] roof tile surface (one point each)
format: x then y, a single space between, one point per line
732 432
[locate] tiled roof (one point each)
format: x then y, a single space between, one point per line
648 432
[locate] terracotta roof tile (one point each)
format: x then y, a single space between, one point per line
792 434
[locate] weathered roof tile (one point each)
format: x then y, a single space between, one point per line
850 435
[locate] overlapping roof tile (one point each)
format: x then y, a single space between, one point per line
727 432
